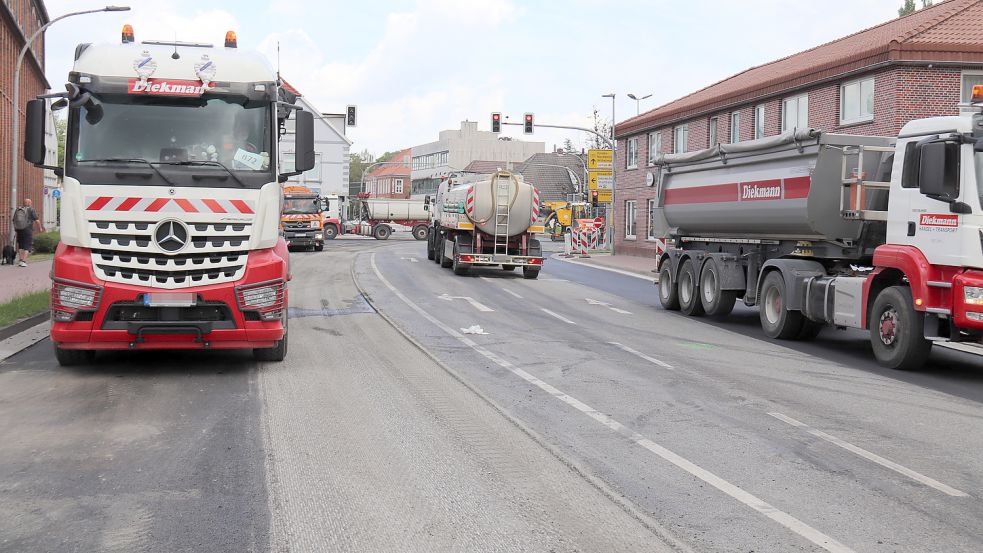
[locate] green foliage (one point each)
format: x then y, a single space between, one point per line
387 156
46 242
357 164
909 7
24 306
61 127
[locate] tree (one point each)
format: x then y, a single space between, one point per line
602 127
387 156
909 7
357 164
61 127
568 146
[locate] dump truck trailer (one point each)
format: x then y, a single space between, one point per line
875 233
380 216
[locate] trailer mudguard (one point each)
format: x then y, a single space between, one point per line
731 271
795 272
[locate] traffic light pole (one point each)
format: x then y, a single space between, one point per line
568 127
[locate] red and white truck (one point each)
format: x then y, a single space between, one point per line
171 201
876 233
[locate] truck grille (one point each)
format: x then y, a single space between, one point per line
124 252
297 225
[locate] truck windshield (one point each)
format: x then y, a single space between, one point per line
190 137
300 205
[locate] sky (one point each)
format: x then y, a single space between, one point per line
415 67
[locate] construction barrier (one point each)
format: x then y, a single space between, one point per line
584 239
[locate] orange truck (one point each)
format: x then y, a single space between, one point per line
301 219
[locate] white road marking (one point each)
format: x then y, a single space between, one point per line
603 268
413 259
24 339
608 305
762 507
918 477
474 303
507 291
622 311
558 316
662 364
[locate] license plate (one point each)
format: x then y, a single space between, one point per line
169 300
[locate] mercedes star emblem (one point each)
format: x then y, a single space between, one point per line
171 236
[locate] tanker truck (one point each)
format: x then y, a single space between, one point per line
487 221
883 234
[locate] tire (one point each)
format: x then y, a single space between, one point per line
445 262
74 357
508 267
279 351
897 330
460 269
668 292
430 248
688 289
319 247
810 329
716 302
382 232
531 273
776 321
438 246
330 232
420 232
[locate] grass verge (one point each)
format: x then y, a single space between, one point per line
24 306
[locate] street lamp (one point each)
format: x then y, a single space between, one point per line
16 102
614 174
638 102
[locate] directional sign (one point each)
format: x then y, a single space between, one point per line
604 196
600 159
600 180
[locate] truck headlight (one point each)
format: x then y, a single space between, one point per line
973 295
265 297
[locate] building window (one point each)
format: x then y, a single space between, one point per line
653 205
630 219
857 101
655 146
795 113
680 139
735 127
398 186
712 132
631 155
759 121
970 79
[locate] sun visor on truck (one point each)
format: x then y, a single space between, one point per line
174 88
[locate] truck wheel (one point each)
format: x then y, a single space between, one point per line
716 302
460 269
689 290
531 273
330 232
897 330
445 262
420 232
73 357
279 351
777 321
430 248
382 232
319 247
668 292
438 246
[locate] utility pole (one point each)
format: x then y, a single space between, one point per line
614 177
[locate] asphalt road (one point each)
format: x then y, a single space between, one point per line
579 417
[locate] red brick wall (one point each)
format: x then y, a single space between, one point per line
901 94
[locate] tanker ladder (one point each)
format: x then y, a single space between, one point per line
501 216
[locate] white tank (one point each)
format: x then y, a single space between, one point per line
395 210
479 202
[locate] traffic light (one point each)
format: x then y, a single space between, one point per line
496 122
350 116
527 124
593 197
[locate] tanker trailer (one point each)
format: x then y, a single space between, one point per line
489 221
875 233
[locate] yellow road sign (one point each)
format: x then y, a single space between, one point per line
604 196
600 180
600 159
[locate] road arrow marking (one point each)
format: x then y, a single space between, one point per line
477 305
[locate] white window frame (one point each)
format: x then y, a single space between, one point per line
631 153
712 138
630 219
735 127
759 121
680 139
962 79
797 100
653 204
862 118
655 138
398 186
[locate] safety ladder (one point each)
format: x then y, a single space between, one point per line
502 188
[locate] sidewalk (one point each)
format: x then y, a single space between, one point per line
642 266
17 281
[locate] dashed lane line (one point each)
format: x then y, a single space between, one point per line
507 291
762 507
652 360
916 476
557 315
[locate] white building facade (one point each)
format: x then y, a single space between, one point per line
332 150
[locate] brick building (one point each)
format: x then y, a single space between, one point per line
870 83
391 181
19 19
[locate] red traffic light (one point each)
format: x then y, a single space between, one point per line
496 122
527 126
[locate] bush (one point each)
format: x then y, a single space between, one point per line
46 242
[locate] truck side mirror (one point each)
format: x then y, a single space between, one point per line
938 170
304 145
34 151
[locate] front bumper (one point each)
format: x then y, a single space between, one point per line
479 259
116 323
311 237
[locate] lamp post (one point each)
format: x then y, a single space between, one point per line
638 102
16 102
614 174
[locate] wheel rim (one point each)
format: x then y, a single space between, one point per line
709 287
773 305
665 284
887 326
685 287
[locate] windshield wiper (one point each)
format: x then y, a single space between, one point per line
128 160
206 162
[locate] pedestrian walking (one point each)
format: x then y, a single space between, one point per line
25 221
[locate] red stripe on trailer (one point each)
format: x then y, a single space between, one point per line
127 204
214 206
703 194
242 206
186 205
797 187
99 203
157 204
